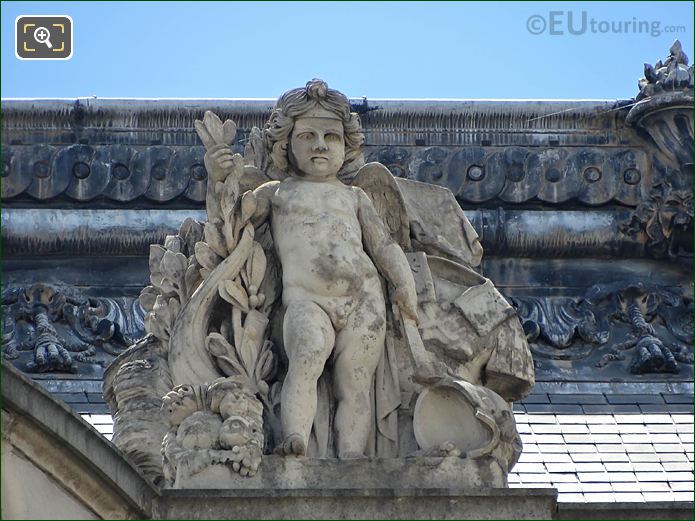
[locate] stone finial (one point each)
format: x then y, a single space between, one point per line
671 75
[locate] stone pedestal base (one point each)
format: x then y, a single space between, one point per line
303 488
291 473
358 503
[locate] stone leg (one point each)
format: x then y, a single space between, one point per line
358 348
308 336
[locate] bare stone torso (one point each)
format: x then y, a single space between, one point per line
318 238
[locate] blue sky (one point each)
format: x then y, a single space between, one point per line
375 49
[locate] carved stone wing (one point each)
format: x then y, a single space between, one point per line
379 184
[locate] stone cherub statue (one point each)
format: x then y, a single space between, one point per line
341 300
332 245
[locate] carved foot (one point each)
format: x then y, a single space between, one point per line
652 357
294 445
681 353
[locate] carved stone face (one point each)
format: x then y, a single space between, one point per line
317 147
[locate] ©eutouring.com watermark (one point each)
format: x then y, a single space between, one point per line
559 23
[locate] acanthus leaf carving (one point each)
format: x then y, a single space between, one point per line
574 327
62 327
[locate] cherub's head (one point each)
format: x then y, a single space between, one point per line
312 132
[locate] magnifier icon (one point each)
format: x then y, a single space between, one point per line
43 35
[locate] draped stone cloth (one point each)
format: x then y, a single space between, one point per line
438 227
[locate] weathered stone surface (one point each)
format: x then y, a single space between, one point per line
293 473
49 328
101 483
133 387
390 503
50 438
303 237
537 182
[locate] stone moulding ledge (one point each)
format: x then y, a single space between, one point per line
130 232
64 446
360 504
415 115
118 490
91 469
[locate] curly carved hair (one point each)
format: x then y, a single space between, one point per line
296 102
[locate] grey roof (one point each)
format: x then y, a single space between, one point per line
594 442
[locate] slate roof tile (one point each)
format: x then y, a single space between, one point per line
658 496
559 448
676 466
576 428
670 447
541 418
622 477
678 398
592 486
610 447
608 419
536 398
556 458
531 457
624 486
577 399
558 478
636 399
611 439
571 497
590 467
547 438
629 497
566 487
648 467
546 428
536 479
679 476
627 447
684 428
535 468
572 419
654 486
671 408
651 418
682 486
614 456
600 497
660 428
578 438
593 477
608 429
561 467
651 476
615 467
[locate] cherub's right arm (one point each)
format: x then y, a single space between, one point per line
264 194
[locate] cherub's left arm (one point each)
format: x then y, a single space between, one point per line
387 255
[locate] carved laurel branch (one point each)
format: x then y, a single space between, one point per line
239 348
185 260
